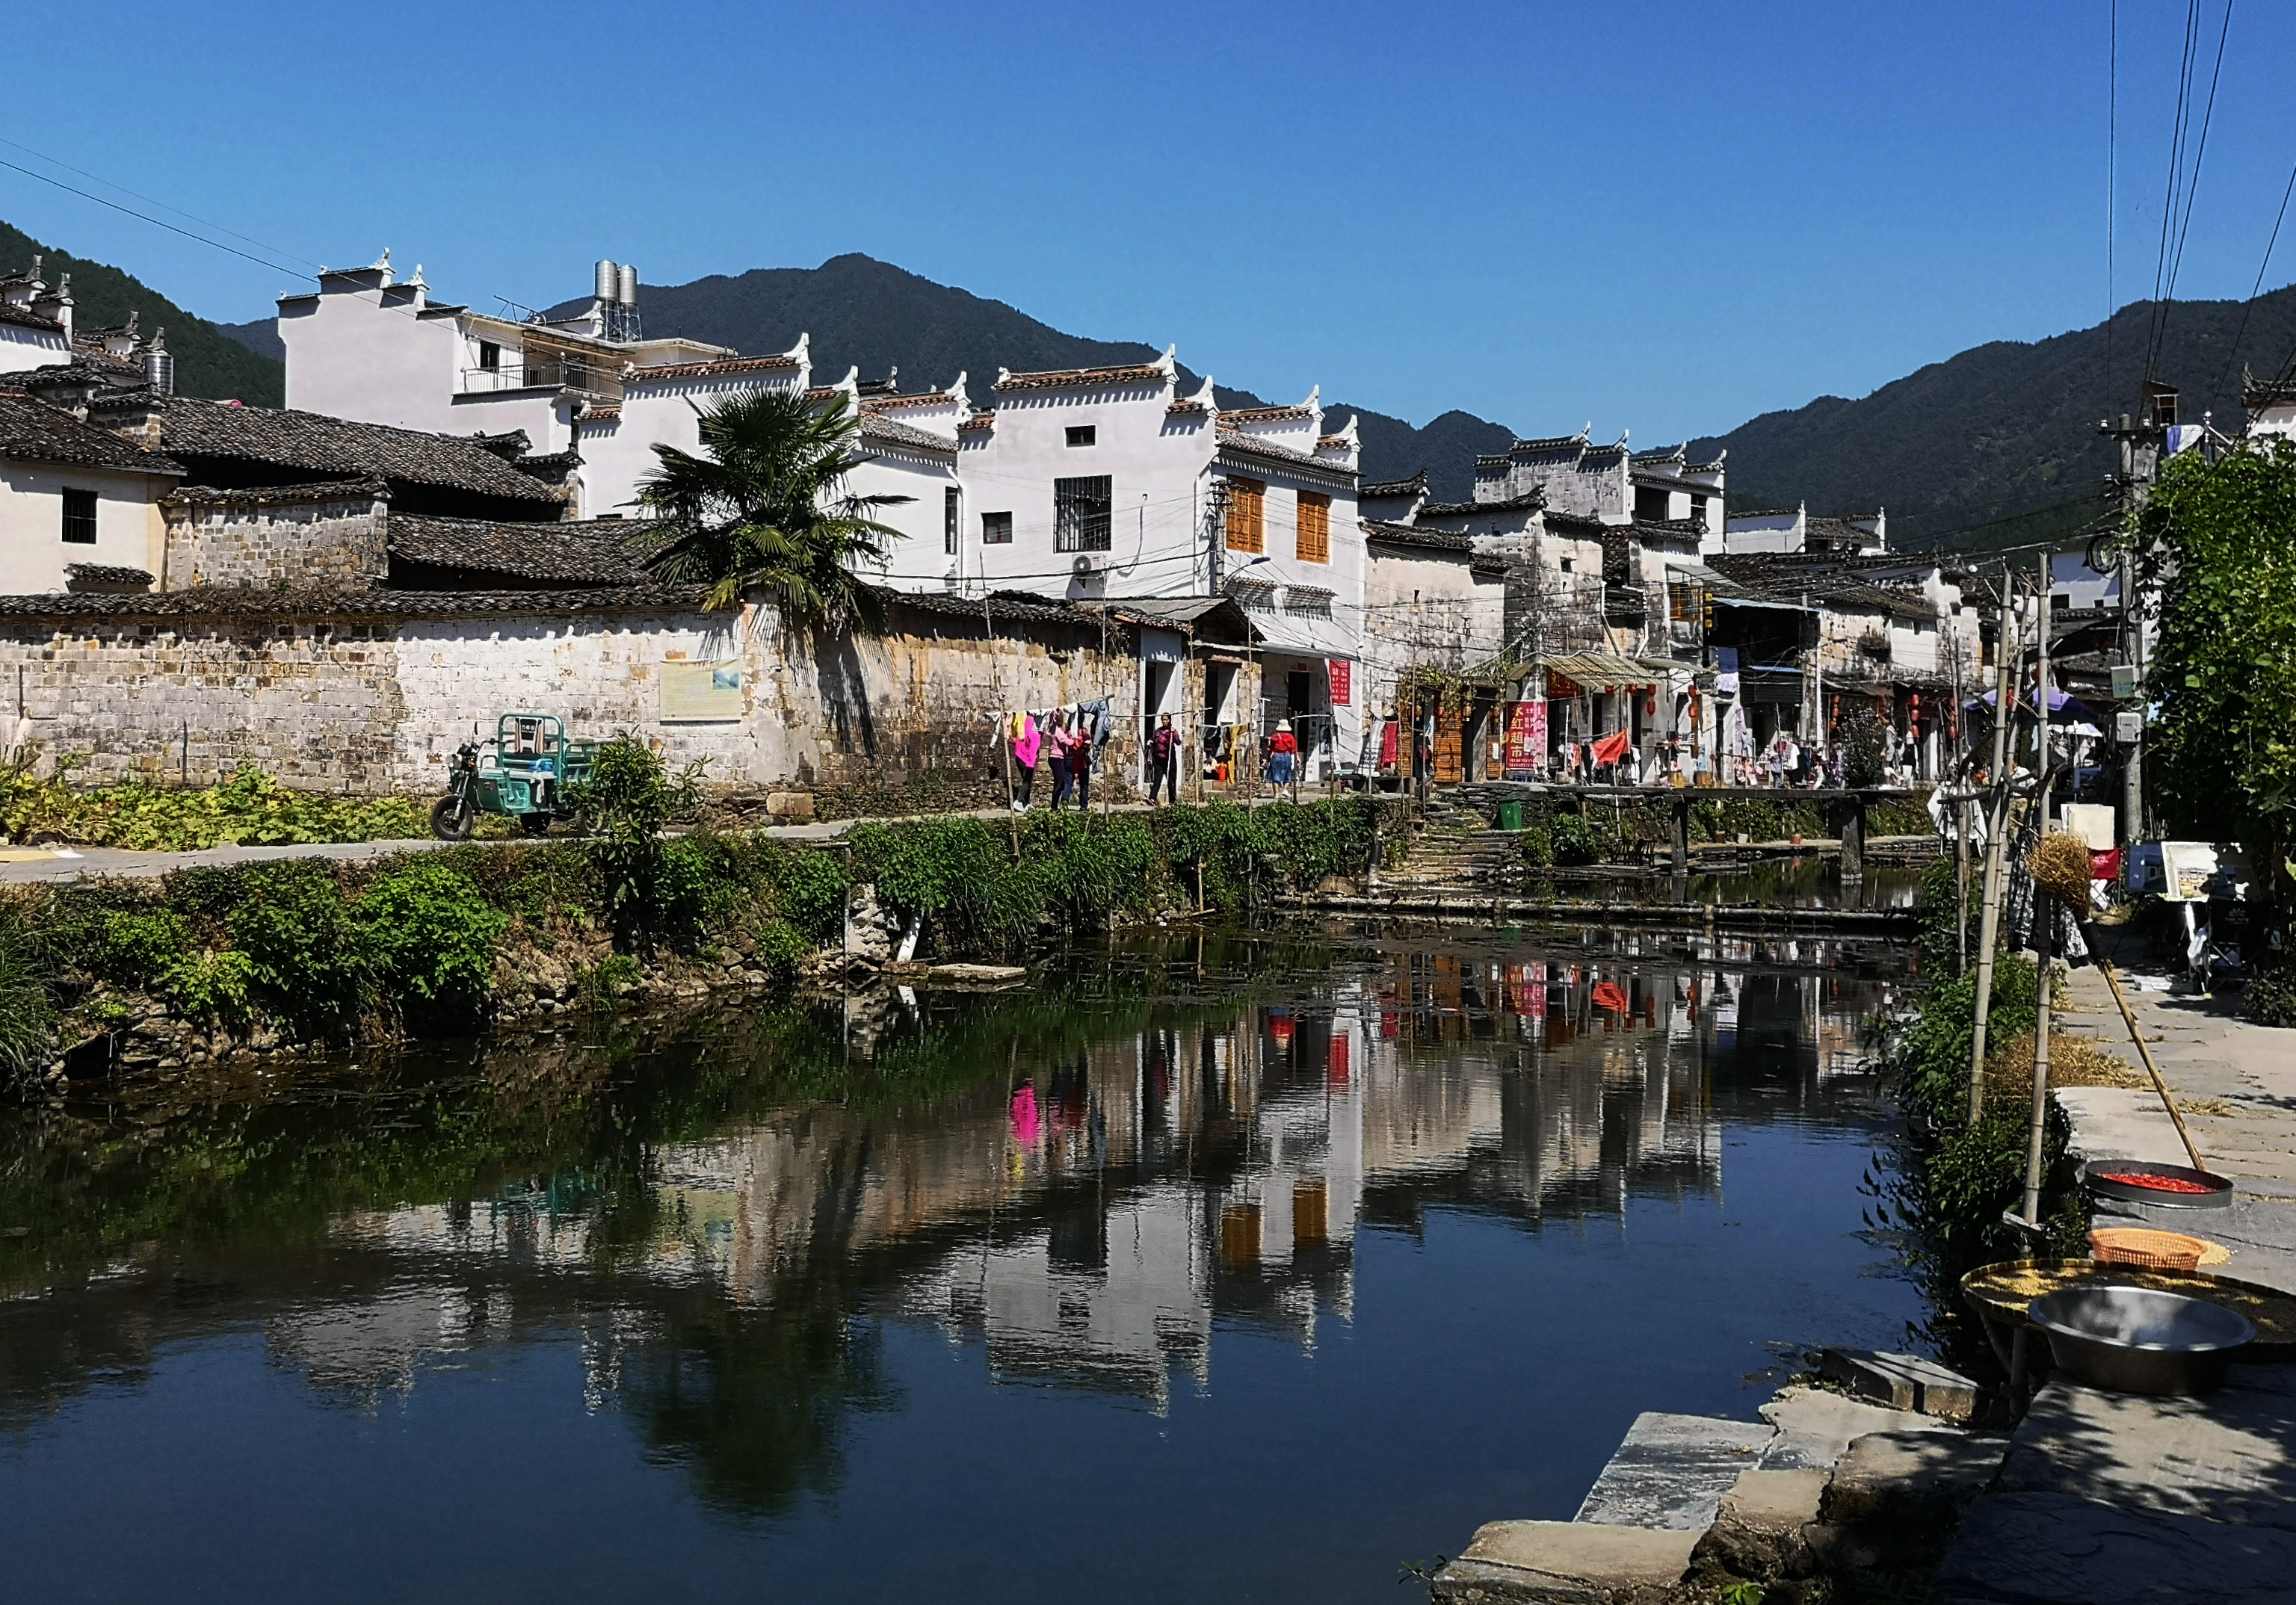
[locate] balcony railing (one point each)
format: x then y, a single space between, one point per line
597 382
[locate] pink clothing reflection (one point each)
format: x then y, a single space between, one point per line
1026 1123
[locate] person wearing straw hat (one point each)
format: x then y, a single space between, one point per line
1284 754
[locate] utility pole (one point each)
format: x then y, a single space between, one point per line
1988 926
2132 770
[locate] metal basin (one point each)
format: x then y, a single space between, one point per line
2139 1340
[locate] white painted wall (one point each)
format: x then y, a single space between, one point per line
32 550
1160 467
22 348
350 355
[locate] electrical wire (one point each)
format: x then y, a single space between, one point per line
153 201
2177 126
2191 193
2249 306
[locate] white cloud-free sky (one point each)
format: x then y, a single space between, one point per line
1667 216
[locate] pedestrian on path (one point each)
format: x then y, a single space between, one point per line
1283 755
1060 752
1164 762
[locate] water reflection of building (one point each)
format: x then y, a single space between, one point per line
1091 1218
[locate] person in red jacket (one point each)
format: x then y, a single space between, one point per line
1283 755
1164 761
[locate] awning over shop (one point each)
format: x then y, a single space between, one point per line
1310 635
1607 671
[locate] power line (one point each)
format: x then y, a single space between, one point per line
2191 187
2111 170
147 217
2250 305
153 200
2177 126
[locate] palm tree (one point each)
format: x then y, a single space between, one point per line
766 507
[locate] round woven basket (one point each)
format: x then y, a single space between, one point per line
2142 1246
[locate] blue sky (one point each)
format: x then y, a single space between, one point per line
1667 218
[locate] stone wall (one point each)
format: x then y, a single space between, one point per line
317 704
325 535
371 692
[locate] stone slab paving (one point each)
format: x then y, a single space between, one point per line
2109 1497
1816 1427
1671 1471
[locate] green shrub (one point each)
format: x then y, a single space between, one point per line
213 986
781 949
629 798
250 808
308 955
426 936
1536 846
140 947
809 886
1579 839
2270 999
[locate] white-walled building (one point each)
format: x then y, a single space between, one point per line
371 348
1108 484
1794 530
80 507
36 322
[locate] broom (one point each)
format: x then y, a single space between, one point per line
2060 866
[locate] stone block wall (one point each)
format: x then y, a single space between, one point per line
299 536
316 704
373 699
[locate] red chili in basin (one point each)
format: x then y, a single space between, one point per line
2159 1184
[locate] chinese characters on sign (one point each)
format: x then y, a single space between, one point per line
1342 680
1526 734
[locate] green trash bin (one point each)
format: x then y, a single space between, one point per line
1510 814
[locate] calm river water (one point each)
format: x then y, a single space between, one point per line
1214 1268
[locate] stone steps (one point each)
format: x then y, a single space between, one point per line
1823 1483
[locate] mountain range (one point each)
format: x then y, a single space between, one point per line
1992 446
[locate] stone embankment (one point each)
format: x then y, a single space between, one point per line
1824 1487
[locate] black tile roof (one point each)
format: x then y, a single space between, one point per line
1055 378
280 496
1381 533
893 432
314 443
608 552
33 431
24 317
1529 501
1392 489
1779 577
106 574
1253 446
1004 606
267 603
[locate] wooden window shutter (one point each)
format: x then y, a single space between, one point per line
1315 544
1247 515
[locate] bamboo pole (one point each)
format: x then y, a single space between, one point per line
1988 927
2044 916
2160 1084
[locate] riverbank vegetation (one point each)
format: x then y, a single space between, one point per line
250 809
215 960
2221 765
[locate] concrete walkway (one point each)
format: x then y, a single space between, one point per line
2109 1497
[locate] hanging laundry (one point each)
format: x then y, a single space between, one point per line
1026 743
1387 744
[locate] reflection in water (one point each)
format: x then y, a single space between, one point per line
727 1222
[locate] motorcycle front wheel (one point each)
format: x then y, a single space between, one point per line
453 817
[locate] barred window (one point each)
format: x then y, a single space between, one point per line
79 517
949 519
1083 514
1247 515
1315 542
996 529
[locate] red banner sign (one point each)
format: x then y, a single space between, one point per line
1526 735
1343 678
